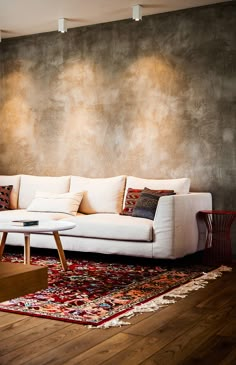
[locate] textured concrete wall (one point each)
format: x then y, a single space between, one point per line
154 99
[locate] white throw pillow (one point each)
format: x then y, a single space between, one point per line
101 195
60 203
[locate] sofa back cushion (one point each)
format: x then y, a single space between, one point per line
180 186
15 181
30 184
101 195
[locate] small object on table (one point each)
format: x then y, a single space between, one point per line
218 248
25 223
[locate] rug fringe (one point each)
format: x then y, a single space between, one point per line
167 298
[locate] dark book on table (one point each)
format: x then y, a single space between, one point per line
25 222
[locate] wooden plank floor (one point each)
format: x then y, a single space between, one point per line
200 329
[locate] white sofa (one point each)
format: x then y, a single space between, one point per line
100 228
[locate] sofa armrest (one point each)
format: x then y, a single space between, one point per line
175 226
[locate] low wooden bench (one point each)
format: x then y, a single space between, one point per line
17 279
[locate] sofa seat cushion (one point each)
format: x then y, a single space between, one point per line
17 214
111 226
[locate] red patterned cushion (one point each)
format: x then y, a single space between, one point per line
132 196
5 192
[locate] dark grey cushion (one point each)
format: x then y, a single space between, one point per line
146 204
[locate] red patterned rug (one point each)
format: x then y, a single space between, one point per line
100 293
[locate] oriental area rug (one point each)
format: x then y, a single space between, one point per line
104 294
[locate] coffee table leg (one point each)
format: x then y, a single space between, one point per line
3 241
60 250
27 249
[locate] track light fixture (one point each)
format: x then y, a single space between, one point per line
62 25
137 12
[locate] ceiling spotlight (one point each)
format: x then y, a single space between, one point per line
137 12
62 25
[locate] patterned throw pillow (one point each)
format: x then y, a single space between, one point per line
146 205
5 192
132 196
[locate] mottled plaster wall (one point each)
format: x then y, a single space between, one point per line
153 99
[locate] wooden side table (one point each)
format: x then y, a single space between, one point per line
218 248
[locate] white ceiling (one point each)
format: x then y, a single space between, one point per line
23 17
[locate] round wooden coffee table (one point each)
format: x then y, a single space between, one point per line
42 227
